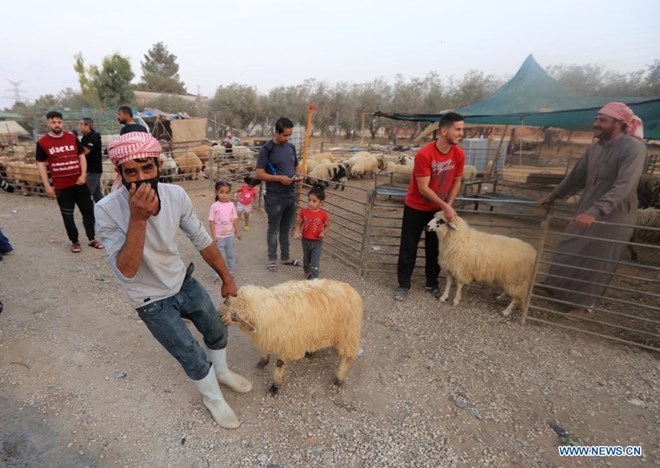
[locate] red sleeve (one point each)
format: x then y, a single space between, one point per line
460 162
325 216
422 167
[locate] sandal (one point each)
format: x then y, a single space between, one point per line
96 244
292 263
272 267
75 247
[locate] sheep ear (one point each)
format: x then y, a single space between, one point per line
240 320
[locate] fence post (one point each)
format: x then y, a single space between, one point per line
366 232
545 225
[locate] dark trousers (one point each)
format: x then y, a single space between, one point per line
94 184
164 319
312 250
5 246
280 213
412 227
67 199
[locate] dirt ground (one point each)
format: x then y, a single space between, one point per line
83 383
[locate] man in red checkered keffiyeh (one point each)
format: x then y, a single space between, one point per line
131 146
142 250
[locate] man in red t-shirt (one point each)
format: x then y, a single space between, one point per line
60 153
435 184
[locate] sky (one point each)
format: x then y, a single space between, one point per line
266 43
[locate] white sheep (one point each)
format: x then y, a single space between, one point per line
646 218
469 172
363 165
296 317
321 156
327 172
398 168
168 167
469 255
310 164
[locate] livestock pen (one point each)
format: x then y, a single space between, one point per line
366 229
366 223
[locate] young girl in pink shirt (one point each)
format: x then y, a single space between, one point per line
223 222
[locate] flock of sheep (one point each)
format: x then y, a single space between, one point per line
326 168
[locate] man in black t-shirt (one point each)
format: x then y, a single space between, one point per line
91 143
125 117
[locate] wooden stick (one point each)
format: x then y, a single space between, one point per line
497 152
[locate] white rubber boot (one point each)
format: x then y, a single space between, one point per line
226 377
215 402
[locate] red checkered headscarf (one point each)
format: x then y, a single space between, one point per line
130 146
619 111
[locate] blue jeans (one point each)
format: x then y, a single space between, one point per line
226 248
280 213
164 319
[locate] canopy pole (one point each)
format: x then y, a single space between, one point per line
303 163
362 130
497 152
522 125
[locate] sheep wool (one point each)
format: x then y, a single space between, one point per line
296 317
470 255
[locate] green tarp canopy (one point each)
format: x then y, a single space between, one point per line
534 98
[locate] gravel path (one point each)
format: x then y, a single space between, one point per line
83 383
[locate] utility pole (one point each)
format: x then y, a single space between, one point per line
16 90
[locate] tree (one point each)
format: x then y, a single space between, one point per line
70 98
473 87
113 81
652 81
86 79
236 105
176 104
160 72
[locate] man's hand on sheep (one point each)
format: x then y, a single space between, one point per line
584 221
450 213
228 287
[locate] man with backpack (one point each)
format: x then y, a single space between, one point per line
277 165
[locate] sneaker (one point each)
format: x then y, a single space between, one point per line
434 291
400 294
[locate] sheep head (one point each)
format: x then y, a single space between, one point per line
440 224
230 315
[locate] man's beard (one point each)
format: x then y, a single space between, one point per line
56 131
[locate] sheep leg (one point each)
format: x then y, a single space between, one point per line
445 294
263 361
279 376
458 296
510 307
342 372
501 297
